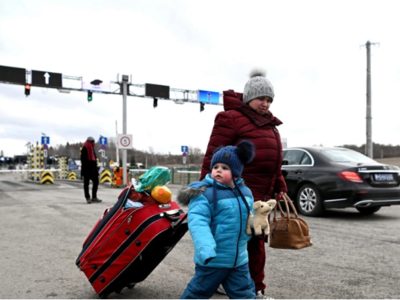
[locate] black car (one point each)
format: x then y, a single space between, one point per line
320 178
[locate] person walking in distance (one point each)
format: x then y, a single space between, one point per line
247 116
89 170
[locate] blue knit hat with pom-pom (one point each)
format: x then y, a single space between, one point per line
234 157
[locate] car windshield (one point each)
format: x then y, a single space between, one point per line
343 155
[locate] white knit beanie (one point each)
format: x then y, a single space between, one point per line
257 86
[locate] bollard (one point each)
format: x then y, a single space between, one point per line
47 178
72 175
105 176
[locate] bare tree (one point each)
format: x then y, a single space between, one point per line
194 156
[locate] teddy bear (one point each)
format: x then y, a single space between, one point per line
259 221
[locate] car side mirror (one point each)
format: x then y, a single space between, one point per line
285 162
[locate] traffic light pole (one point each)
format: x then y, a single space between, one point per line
124 156
188 96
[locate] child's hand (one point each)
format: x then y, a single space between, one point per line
280 195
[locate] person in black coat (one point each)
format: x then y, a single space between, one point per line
89 170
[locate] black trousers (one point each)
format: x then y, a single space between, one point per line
95 180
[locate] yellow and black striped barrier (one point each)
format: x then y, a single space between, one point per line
105 176
72 175
63 165
47 178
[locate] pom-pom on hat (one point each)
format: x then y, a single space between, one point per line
257 86
234 157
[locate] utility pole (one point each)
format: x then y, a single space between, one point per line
368 145
369 117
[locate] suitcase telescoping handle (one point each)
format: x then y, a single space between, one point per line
174 216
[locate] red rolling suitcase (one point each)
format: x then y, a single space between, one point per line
127 244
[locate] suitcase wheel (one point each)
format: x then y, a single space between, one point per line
131 285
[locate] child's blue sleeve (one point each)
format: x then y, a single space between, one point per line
199 217
251 202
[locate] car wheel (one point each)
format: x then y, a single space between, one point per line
309 201
368 210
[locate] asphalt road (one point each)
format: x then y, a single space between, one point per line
42 228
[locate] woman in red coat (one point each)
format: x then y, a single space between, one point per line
247 117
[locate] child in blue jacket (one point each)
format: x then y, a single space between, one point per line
219 207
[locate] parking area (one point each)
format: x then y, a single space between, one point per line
42 229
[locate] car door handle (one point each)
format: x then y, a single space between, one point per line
298 171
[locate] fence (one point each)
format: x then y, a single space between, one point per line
179 175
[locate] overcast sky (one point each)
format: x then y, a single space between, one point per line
312 51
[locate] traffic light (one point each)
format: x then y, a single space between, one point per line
27 89
89 96
155 102
201 107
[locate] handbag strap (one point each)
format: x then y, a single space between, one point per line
288 202
287 199
278 204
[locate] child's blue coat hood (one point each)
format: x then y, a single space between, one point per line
197 187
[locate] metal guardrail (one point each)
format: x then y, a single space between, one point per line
30 170
178 176
182 177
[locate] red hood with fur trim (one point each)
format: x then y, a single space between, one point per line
240 122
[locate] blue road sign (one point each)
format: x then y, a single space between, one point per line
103 140
103 147
45 147
185 148
208 97
45 140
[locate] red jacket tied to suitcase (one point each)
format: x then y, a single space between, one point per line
127 244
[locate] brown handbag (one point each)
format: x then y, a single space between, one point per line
288 232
